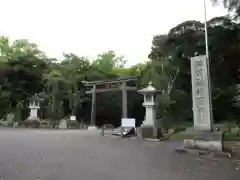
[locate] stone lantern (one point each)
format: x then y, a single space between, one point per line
149 128
33 120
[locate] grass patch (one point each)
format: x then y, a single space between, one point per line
231 137
177 136
226 137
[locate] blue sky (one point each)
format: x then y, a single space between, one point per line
90 27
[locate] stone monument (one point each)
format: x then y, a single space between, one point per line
149 128
203 135
33 121
63 124
10 118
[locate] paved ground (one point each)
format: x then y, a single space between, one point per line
75 155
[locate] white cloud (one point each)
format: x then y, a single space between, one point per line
89 27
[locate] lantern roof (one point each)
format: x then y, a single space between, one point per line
36 98
149 89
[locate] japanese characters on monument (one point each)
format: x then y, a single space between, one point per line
200 94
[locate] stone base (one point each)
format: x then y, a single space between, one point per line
203 141
32 122
232 147
205 153
92 128
150 132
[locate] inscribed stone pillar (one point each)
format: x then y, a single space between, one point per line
204 136
200 94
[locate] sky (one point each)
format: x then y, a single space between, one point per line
91 27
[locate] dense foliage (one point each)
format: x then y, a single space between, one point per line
25 71
232 5
171 55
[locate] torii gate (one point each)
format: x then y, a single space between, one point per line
119 84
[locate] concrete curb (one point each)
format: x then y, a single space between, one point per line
150 139
204 153
157 140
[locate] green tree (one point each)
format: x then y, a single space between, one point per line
108 60
171 55
22 68
232 5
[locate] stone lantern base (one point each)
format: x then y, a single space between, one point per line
150 132
32 122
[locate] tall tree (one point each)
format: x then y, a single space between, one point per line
108 60
187 40
22 68
232 5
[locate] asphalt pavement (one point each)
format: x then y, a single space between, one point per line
28 154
